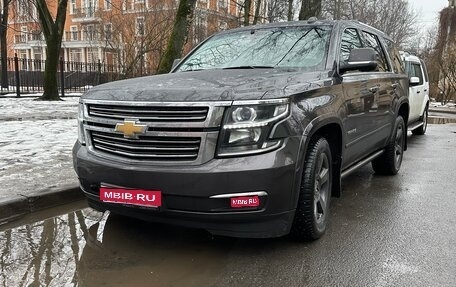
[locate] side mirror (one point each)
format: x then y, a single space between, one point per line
175 63
363 59
414 81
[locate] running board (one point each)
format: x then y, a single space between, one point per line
415 125
361 163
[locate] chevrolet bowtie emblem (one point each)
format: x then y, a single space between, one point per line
130 129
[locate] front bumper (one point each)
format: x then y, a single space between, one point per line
187 190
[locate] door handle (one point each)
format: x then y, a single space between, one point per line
395 85
374 89
425 90
418 92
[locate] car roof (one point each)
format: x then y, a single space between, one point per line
409 57
315 22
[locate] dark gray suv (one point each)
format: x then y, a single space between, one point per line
251 133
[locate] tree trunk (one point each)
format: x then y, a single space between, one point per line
309 8
247 7
53 34
179 34
51 91
257 12
3 45
290 10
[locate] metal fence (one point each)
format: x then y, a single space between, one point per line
27 76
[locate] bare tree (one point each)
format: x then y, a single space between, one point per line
247 7
447 84
257 12
310 8
53 34
3 43
394 17
138 46
279 10
179 34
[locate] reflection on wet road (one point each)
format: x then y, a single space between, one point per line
384 231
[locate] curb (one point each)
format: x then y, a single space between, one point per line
443 111
20 205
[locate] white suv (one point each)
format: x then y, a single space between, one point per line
418 93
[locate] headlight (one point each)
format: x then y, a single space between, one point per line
246 127
81 136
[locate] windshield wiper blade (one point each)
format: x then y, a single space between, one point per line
248 67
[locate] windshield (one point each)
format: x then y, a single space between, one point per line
289 47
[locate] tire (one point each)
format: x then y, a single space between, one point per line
422 130
312 212
390 161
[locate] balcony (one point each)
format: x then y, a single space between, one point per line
85 14
86 36
29 38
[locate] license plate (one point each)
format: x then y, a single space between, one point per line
245 201
150 198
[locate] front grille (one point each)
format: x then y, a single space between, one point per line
146 147
149 113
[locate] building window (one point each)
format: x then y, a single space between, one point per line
72 6
74 33
90 6
92 56
24 33
108 4
140 26
222 3
23 60
89 33
23 8
108 31
75 55
200 28
37 63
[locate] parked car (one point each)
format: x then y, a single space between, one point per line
418 93
251 133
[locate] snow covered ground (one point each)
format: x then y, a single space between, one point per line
439 105
35 144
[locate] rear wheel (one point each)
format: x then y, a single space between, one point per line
312 212
422 129
390 161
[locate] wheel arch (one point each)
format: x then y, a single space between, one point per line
330 128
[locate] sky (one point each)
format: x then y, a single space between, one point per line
428 10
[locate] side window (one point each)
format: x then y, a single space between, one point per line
416 71
350 41
426 76
396 61
372 42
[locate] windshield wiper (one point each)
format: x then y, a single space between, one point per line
248 67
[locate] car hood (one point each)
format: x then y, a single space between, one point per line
209 85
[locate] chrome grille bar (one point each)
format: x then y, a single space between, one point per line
147 147
149 114
153 156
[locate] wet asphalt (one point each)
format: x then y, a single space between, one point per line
384 231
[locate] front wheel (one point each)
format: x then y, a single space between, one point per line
390 161
312 212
